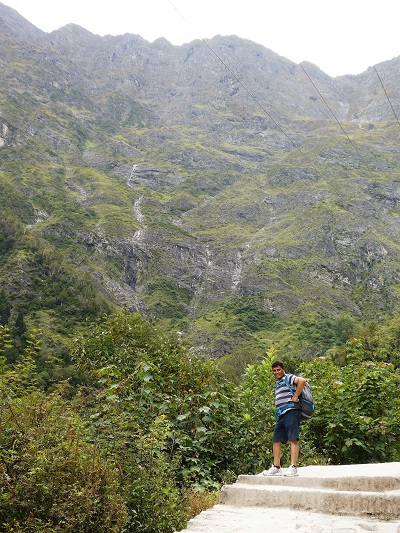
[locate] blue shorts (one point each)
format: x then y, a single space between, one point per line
287 426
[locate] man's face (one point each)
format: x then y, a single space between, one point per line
278 372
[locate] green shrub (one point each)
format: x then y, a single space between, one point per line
254 401
152 496
150 380
357 411
51 480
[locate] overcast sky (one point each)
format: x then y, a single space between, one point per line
340 36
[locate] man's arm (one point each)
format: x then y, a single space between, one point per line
300 383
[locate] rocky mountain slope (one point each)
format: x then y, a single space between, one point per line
216 185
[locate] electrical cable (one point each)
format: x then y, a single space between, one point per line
333 114
265 111
387 96
251 95
353 144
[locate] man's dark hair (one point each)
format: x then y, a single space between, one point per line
278 363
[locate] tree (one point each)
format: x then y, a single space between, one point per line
145 377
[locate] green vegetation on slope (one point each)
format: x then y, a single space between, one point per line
155 427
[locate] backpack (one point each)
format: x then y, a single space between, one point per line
306 400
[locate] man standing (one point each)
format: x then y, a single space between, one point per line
287 427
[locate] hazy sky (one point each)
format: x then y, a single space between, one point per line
340 36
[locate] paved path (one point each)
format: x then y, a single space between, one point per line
233 519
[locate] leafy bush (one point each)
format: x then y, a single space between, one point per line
357 411
254 401
152 497
145 377
384 342
51 480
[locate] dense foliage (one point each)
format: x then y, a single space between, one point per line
154 426
358 413
147 374
52 479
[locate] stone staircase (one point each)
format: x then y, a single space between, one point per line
348 498
357 490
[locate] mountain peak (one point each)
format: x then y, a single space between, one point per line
73 29
12 22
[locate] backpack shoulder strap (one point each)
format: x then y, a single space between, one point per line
288 385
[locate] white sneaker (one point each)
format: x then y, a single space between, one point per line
273 471
291 471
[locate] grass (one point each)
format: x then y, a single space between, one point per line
196 501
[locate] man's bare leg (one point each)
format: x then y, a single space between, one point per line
277 450
294 452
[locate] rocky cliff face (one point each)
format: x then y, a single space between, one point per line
187 178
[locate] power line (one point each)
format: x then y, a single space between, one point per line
333 114
387 96
265 111
250 94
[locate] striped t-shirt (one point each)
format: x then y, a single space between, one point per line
283 396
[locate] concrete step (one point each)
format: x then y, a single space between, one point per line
357 490
328 499
370 477
385 505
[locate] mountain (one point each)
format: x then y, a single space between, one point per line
239 197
